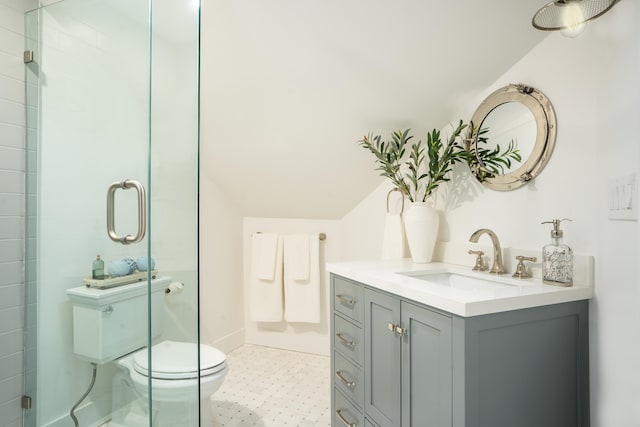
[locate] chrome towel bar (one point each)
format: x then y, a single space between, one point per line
321 236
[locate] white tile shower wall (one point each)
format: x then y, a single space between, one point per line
12 190
309 338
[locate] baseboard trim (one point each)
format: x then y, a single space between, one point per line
230 342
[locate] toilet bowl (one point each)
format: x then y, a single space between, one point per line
174 383
111 327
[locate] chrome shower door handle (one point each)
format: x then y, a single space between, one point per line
126 184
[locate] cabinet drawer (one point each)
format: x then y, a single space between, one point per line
348 339
348 298
345 414
349 379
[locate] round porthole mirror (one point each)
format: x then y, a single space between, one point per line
513 118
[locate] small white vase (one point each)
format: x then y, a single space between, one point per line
421 226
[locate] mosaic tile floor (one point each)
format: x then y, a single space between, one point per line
268 387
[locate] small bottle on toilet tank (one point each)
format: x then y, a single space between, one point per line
97 270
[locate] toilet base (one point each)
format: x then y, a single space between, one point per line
165 414
131 409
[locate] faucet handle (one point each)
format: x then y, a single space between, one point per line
479 262
521 269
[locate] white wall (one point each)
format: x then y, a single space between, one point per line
221 281
293 85
12 212
221 287
615 321
310 338
592 83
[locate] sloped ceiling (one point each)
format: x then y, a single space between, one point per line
290 86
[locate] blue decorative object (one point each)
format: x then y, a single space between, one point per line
142 264
118 267
131 263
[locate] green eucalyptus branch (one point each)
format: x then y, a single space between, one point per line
416 160
429 165
442 158
488 163
388 156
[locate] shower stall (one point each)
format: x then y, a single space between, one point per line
112 94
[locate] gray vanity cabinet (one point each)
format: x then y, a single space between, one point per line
397 363
408 378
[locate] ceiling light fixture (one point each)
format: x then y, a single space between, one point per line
570 16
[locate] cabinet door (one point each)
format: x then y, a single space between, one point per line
382 358
426 368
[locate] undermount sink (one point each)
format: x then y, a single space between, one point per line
467 281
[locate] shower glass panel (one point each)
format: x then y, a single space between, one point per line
112 94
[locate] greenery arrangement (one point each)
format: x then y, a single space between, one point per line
429 165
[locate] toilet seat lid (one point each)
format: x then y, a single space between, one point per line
177 360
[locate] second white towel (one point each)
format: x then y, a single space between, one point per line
302 296
297 256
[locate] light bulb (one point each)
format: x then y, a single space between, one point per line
573 19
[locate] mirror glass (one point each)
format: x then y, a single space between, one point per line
517 117
510 122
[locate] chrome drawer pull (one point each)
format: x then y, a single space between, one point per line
344 420
346 300
350 384
345 341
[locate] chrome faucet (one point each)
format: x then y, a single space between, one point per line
497 267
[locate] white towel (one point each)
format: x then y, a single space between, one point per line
393 241
264 260
297 256
302 297
266 304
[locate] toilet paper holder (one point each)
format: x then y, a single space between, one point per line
174 288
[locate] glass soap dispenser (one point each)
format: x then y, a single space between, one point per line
557 258
97 269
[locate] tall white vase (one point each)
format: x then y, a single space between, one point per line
421 226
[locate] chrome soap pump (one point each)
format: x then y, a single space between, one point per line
557 258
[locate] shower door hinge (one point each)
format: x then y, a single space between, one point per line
27 56
26 402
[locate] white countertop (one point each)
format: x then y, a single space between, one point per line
467 300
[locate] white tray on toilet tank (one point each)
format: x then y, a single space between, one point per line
111 282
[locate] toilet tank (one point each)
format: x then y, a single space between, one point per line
110 323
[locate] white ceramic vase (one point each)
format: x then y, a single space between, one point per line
421 226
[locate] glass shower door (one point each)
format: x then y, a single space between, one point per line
112 96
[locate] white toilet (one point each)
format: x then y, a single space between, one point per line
111 325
